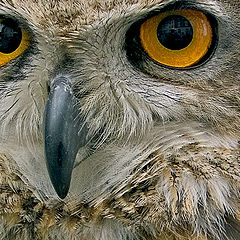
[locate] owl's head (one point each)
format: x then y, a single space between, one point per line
126 93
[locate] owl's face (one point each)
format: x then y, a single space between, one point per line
126 93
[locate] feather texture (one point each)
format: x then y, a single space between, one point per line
162 161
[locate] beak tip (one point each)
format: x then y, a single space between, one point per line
61 189
60 177
60 174
62 194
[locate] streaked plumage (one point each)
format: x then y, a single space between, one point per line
161 161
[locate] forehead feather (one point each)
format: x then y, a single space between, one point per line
67 11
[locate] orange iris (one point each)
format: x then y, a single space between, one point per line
187 56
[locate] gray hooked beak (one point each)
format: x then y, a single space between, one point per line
64 134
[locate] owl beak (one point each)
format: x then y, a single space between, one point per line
63 134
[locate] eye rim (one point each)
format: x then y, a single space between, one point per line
23 46
138 57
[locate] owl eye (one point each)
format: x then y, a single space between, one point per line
13 40
179 38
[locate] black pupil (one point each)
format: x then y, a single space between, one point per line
175 32
10 36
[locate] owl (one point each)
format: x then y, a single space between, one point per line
119 120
